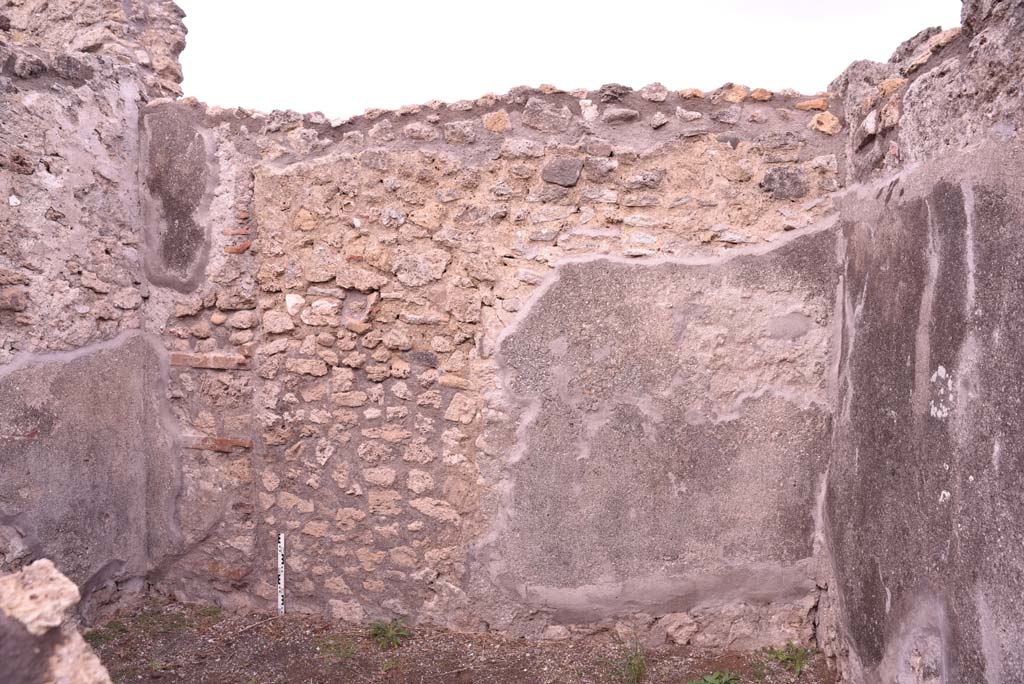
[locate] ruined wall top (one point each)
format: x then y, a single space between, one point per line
149 33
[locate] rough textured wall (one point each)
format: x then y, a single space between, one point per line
90 467
923 487
665 432
388 260
376 334
922 499
37 644
148 35
326 299
69 256
90 456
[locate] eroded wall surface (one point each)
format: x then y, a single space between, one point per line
90 467
921 504
389 256
923 487
284 324
535 362
665 429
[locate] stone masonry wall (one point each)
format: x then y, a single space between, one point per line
362 277
325 301
506 363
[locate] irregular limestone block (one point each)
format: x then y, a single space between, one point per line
34 648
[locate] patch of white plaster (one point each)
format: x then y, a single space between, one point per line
942 393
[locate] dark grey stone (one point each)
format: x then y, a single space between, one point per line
785 183
729 115
564 171
613 92
619 115
72 69
24 657
545 116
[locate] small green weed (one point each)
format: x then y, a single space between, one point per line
794 658
717 678
333 646
160 622
211 612
390 664
631 667
158 666
388 635
107 633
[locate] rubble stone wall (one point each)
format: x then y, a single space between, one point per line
346 342
539 362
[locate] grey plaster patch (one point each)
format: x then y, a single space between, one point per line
664 458
90 461
179 173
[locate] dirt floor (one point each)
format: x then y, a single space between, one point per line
178 643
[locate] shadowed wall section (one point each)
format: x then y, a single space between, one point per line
924 487
90 469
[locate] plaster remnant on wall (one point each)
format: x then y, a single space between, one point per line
178 175
616 358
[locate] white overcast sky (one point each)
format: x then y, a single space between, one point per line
341 57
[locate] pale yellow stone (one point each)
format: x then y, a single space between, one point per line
316 528
288 501
349 518
384 502
369 559
419 481
818 103
437 509
270 480
890 86
462 409
347 611
304 220
402 557
734 93
37 596
380 477
825 122
497 122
